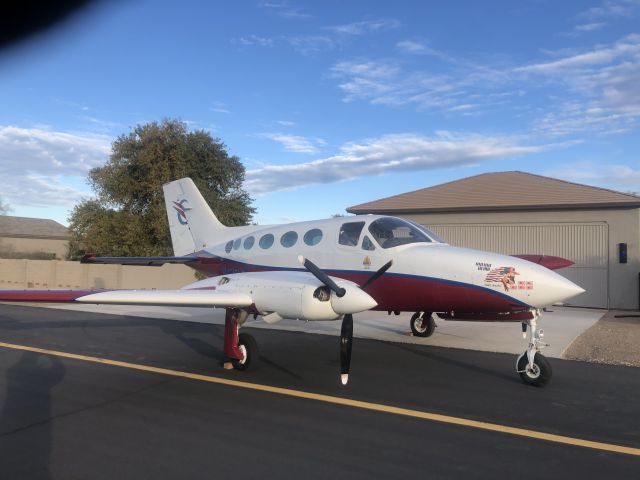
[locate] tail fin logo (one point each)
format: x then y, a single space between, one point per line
181 207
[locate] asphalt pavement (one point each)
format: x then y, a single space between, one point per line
562 325
72 418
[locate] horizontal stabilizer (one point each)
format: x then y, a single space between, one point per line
548 261
137 261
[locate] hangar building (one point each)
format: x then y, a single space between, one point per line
522 213
22 235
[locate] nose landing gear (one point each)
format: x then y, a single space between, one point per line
422 324
533 367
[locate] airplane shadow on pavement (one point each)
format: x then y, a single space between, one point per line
26 447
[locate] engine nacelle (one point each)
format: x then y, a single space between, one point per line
295 295
296 301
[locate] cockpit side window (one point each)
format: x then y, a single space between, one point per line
350 233
367 244
391 232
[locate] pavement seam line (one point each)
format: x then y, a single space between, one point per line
376 407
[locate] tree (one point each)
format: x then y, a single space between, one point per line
4 208
128 215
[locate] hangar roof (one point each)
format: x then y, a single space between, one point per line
501 191
32 228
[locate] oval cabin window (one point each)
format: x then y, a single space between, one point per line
266 241
313 237
289 239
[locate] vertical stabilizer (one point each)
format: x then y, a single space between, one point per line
192 223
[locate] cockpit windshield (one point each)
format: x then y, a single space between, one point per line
431 234
391 232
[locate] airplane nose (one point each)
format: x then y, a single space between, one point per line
562 289
353 301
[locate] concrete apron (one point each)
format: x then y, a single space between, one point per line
562 326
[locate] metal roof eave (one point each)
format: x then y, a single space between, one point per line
497 208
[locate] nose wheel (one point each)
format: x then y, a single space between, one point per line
533 368
422 324
536 374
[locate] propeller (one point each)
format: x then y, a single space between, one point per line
320 275
346 341
377 275
346 331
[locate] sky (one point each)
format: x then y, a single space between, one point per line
329 104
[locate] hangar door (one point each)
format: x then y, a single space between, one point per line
586 244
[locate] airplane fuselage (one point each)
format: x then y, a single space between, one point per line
427 274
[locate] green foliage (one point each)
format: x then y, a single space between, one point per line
9 252
128 218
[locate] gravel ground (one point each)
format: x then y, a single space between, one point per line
611 340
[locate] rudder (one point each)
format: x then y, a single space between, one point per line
192 224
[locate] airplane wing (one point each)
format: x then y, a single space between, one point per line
137 261
174 298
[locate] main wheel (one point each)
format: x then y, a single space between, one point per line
537 376
249 347
422 327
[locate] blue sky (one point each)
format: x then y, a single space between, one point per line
329 103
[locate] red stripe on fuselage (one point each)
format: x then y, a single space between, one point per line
394 292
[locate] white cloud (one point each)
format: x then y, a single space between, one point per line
285 123
620 177
610 9
412 46
599 87
294 143
102 125
294 13
370 69
366 26
311 44
36 164
590 27
284 9
627 47
253 40
605 82
384 83
387 154
219 107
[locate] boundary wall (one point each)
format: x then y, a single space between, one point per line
58 274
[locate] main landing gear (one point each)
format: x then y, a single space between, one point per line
422 324
241 349
533 367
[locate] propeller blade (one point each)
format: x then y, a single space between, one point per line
320 275
346 341
377 275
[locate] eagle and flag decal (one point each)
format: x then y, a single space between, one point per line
506 276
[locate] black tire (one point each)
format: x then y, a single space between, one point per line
541 373
422 327
249 345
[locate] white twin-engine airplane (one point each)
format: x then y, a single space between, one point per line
331 269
